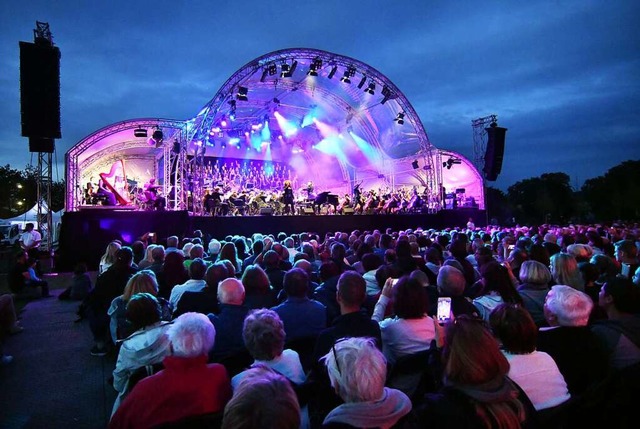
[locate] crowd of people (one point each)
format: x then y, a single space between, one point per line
296 330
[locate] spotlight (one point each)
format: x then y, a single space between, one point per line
287 70
140 132
333 71
415 165
399 119
264 75
314 67
450 162
386 94
348 73
176 147
157 135
362 81
272 69
232 110
371 89
242 93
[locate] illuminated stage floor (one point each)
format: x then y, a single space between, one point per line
85 234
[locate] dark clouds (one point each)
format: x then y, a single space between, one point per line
561 75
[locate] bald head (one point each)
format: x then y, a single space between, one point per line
231 291
303 264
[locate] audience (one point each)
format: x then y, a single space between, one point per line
147 345
358 370
187 387
534 371
230 321
302 317
263 399
410 330
568 339
535 279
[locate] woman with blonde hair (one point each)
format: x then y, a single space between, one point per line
147 261
565 271
109 256
142 282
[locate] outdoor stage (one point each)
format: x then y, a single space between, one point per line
85 234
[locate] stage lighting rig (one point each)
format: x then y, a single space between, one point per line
451 162
371 89
314 67
348 73
242 94
140 132
157 135
386 94
287 70
362 81
399 119
333 71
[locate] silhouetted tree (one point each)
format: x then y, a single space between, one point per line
548 198
616 195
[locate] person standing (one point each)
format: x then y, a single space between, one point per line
30 241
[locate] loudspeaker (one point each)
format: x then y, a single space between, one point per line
41 145
495 152
347 210
307 210
40 90
266 211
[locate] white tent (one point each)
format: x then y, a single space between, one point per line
31 215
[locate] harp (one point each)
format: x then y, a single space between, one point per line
116 182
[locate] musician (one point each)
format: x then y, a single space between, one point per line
89 194
288 198
151 193
357 193
105 195
309 189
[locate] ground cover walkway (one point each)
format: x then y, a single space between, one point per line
53 381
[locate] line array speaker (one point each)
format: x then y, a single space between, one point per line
494 153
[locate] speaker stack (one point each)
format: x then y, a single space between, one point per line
40 94
495 152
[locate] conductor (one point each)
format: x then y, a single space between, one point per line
288 197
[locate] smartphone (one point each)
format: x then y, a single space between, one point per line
152 234
444 309
625 270
511 247
394 281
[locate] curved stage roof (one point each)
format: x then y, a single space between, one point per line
333 119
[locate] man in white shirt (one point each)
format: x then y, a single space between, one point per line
30 240
196 283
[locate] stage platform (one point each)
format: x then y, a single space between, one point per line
85 234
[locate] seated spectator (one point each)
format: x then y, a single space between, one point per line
477 392
157 255
142 282
188 386
196 282
109 285
368 403
229 322
451 283
535 279
109 256
263 399
411 330
326 291
370 264
271 263
258 291
173 273
196 251
626 254
534 371
496 289
148 258
620 334
302 317
582 252
229 253
353 322
147 345
564 269
23 279
263 334
206 300
80 284
568 339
